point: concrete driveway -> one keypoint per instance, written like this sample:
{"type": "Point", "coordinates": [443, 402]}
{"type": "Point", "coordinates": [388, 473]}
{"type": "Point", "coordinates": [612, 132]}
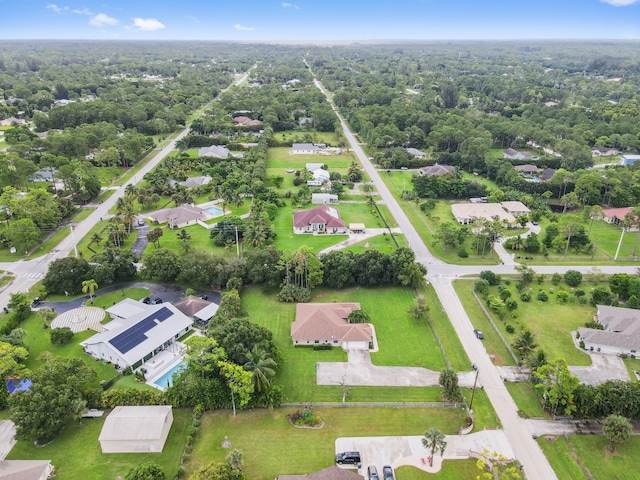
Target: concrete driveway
{"type": "Point", "coordinates": [7, 437]}
{"type": "Point", "coordinates": [399, 451]}
{"type": "Point", "coordinates": [359, 371]}
{"type": "Point", "coordinates": [603, 367]}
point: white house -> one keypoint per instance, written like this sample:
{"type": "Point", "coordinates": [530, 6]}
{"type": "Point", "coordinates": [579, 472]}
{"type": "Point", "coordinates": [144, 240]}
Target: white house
{"type": "Point", "coordinates": [132, 340]}
{"type": "Point", "coordinates": [321, 175]}
{"type": "Point", "coordinates": [136, 429]}
{"type": "Point", "coordinates": [320, 198]}
{"type": "Point", "coordinates": [621, 334]}
{"type": "Point", "coordinates": [303, 148]}
{"type": "Point", "coordinates": [214, 151]}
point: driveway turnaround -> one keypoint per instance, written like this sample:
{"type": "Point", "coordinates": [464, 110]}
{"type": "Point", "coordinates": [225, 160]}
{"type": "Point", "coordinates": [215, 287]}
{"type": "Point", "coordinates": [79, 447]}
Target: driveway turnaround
{"type": "Point", "coordinates": [399, 451]}
{"type": "Point", "coordinates": [359, 371]}
{"type": "Point", "coordinates": [603, 367]}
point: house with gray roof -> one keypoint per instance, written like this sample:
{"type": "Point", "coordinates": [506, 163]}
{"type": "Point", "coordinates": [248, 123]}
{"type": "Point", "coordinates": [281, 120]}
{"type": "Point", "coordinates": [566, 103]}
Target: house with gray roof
{"type": "Point", "coordinates": [303, 148]}
{"type": "Point", "coordinates": [136, 429]}
{"type": "Point", "coordinates": [181, 216]}
{"type": "Point", "coordinates": [436, 170]}
{"type": "Point", "coordinates": [214, 151]}
{"type": "Point", "coordinates": [414, 152]}
{"type": "Point", "coordinates": [621, 334]}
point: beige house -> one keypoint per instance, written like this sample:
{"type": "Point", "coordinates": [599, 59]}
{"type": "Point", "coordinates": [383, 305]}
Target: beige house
{"type": "Point", "coordinates": [328, 324]}
{"type": "Point", "coordinates": [136, 429]}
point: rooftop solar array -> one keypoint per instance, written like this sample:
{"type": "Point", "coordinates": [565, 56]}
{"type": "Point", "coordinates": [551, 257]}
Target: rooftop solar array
{"type": "Point", "coordinates": [134, 336]}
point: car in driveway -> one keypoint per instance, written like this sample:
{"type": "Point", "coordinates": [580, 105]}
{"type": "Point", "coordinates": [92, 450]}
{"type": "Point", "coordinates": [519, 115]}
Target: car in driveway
{"type": "Point", "coordinates": [387, 472]}
{"type": "Point", "coordinates": [348, 458]}
{"type": "Point", "coordinates": [372, 473]}
{"type": "Point", "coordinates": [478, 333]}
{"type": "Point", "coordinates": [146, 300]}
{"type": "Point", "coordinates": [156, 301]}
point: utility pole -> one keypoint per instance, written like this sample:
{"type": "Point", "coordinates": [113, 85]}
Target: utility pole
{"type": "Point", "coordinates": [473, 391]}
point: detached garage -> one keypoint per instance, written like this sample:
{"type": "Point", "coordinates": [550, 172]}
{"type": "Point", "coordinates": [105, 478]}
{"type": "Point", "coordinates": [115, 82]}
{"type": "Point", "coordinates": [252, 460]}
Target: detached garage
{"type": "Point", "coordinates": [136, 429]}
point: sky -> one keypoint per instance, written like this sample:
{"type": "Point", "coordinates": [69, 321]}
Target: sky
{"type": "Point", "coordinates": [319, 20]}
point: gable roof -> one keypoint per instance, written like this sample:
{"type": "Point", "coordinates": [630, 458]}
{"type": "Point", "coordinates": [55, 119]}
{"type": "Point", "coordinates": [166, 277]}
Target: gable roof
{"type": "Point", "coordinates": [324, 321]}
{"type": "Point", "coordinates": [622, 328]}
{"type": "Point", "coordinates": [126, 308]}
{"type": "Point", "coordinates": [214, 151]}
{"type": "Point", "coordinates": [25, 469]}
{"type": "Point", "coordinates": [436, 170]}
{"type": "Point", "coordinates": [515, 206]}
{"type": "Point", "coordinates": [303, 146]}
{"type": "Point", "coordinates": [617, 212]}
{"type": "Point", "coordinates": [510, 152]}
{"type": "Point", "coordinates": [322, 214]}
{"type": "Point", "coordinates": [135, 423]}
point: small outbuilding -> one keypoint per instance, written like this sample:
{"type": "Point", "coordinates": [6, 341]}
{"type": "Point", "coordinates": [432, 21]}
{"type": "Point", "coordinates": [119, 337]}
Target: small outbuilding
{"type": "Point", "coordinates": [136, 429]}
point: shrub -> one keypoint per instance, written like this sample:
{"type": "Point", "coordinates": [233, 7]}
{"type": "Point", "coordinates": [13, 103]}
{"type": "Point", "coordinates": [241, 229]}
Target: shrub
{"type": "Point", "coordinates": [525, 296]}
{"type": "Point", "coordinates": [542, 296]}
{"type": "Point", "coordinates": [60, 336]}
{"type": "Point", "coordinates": [520, 286]}
{"type": "Point", "coordinates": [556, 279]}
{"type": "Point", "coordinates": [490, 277]}
{"type": "Point", "coordinates": [504, 294]}
{"type": "Point", "coordinates": [462, 253]}
{"type": "Point", "coordinates": [573, 278]}
{"type": "Point", "coordinates": [562, 296]}
{"type": "Point", "coordinates": [481, 286]}
{"type": "Point", "coordinates": [582, 344]}
{"type": "Point", "coordinates": [595, 325]}
{"type": "Point", "coordinates": [510, 329]}
{"type": "Point", "coordinates": [579, 292]}
{"type": "Point", "coordinates": [294, 294]}
{"type": "Point", "coordinates": [511, 304]}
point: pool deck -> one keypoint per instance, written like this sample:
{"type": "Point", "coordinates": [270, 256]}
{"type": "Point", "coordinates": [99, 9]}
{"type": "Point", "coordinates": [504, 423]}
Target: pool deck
{"type": "Point", "coordinates": [162, 363]}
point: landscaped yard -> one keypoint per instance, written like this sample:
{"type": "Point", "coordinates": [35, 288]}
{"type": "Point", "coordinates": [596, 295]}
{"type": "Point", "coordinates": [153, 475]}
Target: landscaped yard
{"type": "Point", "coordinates": [292, 450]}
{"type": "Point", "coordinates": [76, 452]}
{"type": "Point", "coordinates": [451, 470]}
{"type": "Point", "coordinates": [552, 322]}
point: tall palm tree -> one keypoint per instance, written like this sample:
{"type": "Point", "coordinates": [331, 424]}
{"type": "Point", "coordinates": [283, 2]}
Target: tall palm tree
{"type": "Point", "coordinates": [260, 363]}
{"type": "Point", "coordinates": [89, 286]}
{"type": "Point", "coordinates": [525, 343]}
{"type": "Point", "coordinates": [433, 441]}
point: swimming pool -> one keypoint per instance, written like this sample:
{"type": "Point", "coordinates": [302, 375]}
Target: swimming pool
{"type": "Point", "coordinates": [165, 380]}
{"type": "Point", "coordinates": [215, 211]}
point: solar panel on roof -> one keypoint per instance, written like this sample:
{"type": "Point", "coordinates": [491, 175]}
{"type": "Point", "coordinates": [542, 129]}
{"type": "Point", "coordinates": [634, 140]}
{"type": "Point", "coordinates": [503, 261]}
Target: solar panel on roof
{"type": "Point", "coordinates": [135, 335]}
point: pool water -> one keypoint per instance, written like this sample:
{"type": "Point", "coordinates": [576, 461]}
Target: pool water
{"type": "Point", "coordinates": [214, 211]}
{"type": "Point", "coordinates": [165, 380]}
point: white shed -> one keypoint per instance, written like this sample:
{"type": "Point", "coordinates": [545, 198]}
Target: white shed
{"type": "Point", "coordinates": [136, 429]}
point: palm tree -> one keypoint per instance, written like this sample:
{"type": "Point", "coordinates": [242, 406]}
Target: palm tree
{"type": "Point", "coordinates": [96, 238]}
{"type": "Point", "coordinates": [89, 286]}
{"type": "Point", "coordinates": [47, 315]}
{"type": "Point", "coordinates": [234, 459]}
{"type": "Point", "coordinates": [128, 216]}
{"type": "Point", "coordinates": [260, 363]}
{"type": "Point", "coordinates": [433, 441]}
{"type": "Point", "coordinates": [525, 343]}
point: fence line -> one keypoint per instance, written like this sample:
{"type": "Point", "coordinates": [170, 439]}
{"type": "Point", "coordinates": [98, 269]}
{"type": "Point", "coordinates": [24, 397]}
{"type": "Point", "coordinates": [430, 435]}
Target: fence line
{"type": "Point", "coordinates": [454, 405]}
{"type": "Point", "coordinates": [495, 327]}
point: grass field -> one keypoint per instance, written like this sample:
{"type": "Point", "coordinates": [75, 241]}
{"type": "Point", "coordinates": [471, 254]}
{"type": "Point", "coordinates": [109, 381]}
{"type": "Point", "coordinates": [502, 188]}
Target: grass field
{"type": "Point", "coordinates": [557, 452]}
{"type": "Point", "coordinates": [292, 450]}
{"type": "Point", "coordinates": [524, 395]}
{"type": "Point", "coordinates": [109, 299]}
{"type": "Point", "coordinates": [76, 452]}
{"type": "Point", "coordinates": [623, 464]}
{"type": "Point", "coordinates": [451, 470]}
{"type": "Point", "coordinates": [551, 321]}
{"type": "Point", "coordinates": [382, 243]}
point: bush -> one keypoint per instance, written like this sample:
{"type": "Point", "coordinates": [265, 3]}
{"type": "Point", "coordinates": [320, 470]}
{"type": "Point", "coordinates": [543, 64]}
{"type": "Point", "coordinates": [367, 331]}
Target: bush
{"type": "Point", "coordinates": [490, 277]}
{"type": "Point", "coordinates": [573, 278]}
{"type": "Point", "coordinates": [322, 346]}
{"type": "Point", "coordinates": [511, 304]}
{"type": "Point", "coordinates": [504, 294]}
{"type": "Point", "coordinates": [60, 336]}
{"type": "Point", "coordinates": [562, 296]}
{"type": "Point", "coordinates": [542, 296]}
{"type": "Point", "coordinates": [525, 296]}
{"type": "Point", "coordinates": [481, 286]}
{"type": "Point", "coordinates": [556, 279]}
{"type": "Point", "coordinates": [510, 329]}
{"type": "Point", "coordinates": [579, 293]}
{"type": "Point", "coordinates": [594, 325]}
{"type": "Point", "coordinates": [293, 294]}
{"type": "Point", "coordinates": [462, 253]}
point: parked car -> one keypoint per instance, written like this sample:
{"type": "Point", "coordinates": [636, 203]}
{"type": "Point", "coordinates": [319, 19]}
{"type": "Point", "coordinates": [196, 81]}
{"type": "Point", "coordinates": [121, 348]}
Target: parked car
{"type": "Point", "coordinates": [204, 296]}
{"type": "Point", "coordinates": [372, 473]}
{"type": "Point", "coordinates": [146, 300]}
{"type": "Point", "coordinates": [478, 334]}
{"type": "Point", "coordinates": [352, 458]}
{"type": "Point", "coordinates": [156, 301]}
{"type": "Point", "coordinates": [387, 472]}
{"type": "Point", "coordinates": [141, 222]}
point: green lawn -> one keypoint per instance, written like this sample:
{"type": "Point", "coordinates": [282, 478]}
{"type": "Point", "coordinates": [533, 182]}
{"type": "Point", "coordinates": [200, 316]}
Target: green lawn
{"type": "Point", "coordinates": [524, 395]}
{"type": "Point", "coordinates": [484, 416]}
{"type": "Point", "coordinates": [382, 243]}
{"type": "Point", "coordinates": [551, 321]}
{"type": "Point", "coordinates": [557, 452]}
{"type": "Point", "coordinates": [451, 470]}
{"type": "Point", "coordinates": [76, 452]}
{"type": "Point", "coordinates": [292, 450]}
{"type": "Point", "coordinates": [401, 341]}
{"type": "Point", "coordinates": [109, 299]}
{"type": "Point", "coordinates": [624, 464]}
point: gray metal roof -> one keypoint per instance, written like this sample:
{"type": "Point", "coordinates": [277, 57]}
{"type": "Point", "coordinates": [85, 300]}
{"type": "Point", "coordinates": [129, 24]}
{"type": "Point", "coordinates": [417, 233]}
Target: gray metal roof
{"type": "Point", "coordinates": [135, 423]}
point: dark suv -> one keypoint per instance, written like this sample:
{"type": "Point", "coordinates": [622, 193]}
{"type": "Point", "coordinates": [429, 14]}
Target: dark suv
{"type": "Point", "coordinates": [348, 458]}
{"type": "Point", "coordinates": [387, 472]}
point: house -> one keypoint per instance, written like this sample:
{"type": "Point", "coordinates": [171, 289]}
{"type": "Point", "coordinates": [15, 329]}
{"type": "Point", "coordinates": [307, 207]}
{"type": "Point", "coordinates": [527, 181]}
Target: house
{"type": "Point", "coordinates": [46, 174]}
{"type": "Point", "coordinates": [214, 151]}
{"type": "Point", "coordinates": [322, 219]}
{"type": "Point", "coordinates": [26, 469]}
{"type": "Point", "coordinates": [512, 154]}
{"type": "Point", "coordinates": [357, 228]}
{"type": "Point", "coordinates": [526, 170]}
{"type": "Point", "coordinates": [615, 215]}
{"type": "Point", "coordinates": [179, 217]}
{"type": "Point", "coordinates": [621, 334]}
{"type": "Point", "coordinates": [605, 152]}
{"type": "Point", "coordinates": [516, 208]}
{"type": "Point", "coordinates": [200, 310]}
{"type": "Point", "coordinates": [136, 429]}
{"type": "Point", "coordinates": [7, 122]}
{"type": "Point", "coordinates": [328, 324]}
{"type": "Point", "coordinates": [243, 121]}
{"type": "Point", "coordinates": [321, 175]}
{"type": "Point", "coordinates": [196, 181]}
{"type": "Point", "coordinates": [629, 159]}
{"type": "Point", "coordinates": [547, 174]}
{"type": "Point", "coordinates": [323, 198]}
{"type": "Point", "coordinates": [466, 213]}
{"type": "Point", "coordinates": [330, 473]}
{"type": "Point", "coordinates": [303, 148]}
{"type": "Point", "coordinates": [125, 309]}
{"type": "Point", "coordinates": [436, 171]}
{"type": "Point", "coordinates": [133, 340]}
{"type": "Point", "coordinates": [414, 152]}
{"type": "Point", "coordinates": [312, 167]}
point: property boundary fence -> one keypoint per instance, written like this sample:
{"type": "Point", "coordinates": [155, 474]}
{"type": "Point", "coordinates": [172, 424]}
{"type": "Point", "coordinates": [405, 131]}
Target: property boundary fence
{"type": "Point", "coordinates": [454, 405]}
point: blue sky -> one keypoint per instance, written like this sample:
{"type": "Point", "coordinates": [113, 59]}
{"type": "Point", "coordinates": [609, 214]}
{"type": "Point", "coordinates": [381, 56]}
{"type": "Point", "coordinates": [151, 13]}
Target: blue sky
{"type": "Point", "coordinates": [320, 20]}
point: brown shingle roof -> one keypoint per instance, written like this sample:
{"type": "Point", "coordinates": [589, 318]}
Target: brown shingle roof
{"type": "Point", "coordinates": [191, 305]}
{"type": "Point", "coordinates": [326, 322]}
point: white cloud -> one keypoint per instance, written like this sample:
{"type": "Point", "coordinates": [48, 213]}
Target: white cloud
{"type": "Point", "coordinates": [102, 19]}
{"type": "Point", "coordinates": [84, 11]}
{"type": "Point", "coordinates": [290, 5]}
{"type": "Point", "coordinates": [620, 3]}
{"type": "Point", "coordinates": [56, 8]}
{"type": "Point", "coordinates": [237, 26]}
{"type": "Point", "coordinates": [147, 24]}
